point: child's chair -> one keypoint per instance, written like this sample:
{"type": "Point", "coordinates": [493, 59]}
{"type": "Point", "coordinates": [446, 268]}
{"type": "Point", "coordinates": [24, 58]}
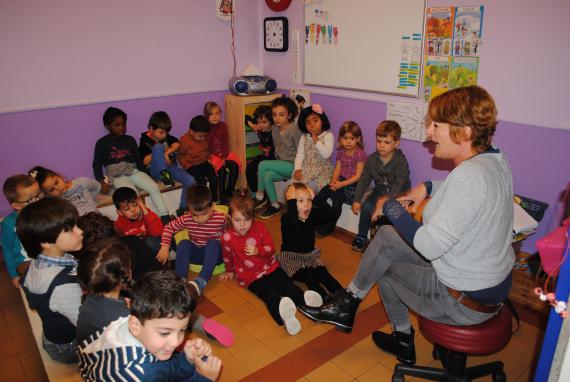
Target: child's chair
{"type": "Point", "coordinates": [183, 235]}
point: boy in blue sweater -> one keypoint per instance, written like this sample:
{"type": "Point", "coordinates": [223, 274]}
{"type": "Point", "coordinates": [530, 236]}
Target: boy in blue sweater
{"type": "Point", "coordinates": [48, 231]}
{"type": "Point", "coordinates": [141, 347]}
{"type": "Point", "coordinates": [20, 190]}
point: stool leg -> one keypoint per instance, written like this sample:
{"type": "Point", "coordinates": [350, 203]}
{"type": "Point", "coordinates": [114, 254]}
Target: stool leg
{"type": "Point", "coordinates": [479, 371]}
{"type": "Point", "coordinates": [456, 363]}
{"type": "Point", "coordinates": [417, 371]}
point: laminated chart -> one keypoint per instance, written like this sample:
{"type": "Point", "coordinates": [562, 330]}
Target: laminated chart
{"type": "Point", "coordinates": [410, 116]}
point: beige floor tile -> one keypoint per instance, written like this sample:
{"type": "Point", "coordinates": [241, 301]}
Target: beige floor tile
{"type": "Point", "coordinates": [227, 300]}
{"type": "Point", "coordinates": [378, 373]}
{"type": "Point", "coordinates": [243, 340]}
{"type": "Point", "coordinates": [224, 318]}
{"type": "Point", "coordinates": [233, 370]}
{"type": "Point", "coordinates": [281, 342]}
{"type": "Point", "coordinates": [256, 356]}
{"type": "Point", "coordinates": [245, 313]}
{"type": "Point", "coordinates": [263, 327]}
{"type": "Point", "coordinates": [327, 373]}
{"type": "Point", "coordinates": [354, 361]}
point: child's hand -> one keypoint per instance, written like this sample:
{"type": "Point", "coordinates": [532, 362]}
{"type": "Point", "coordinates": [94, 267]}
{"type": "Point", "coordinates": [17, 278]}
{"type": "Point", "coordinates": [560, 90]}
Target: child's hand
{"type": "Point", "coordinates": [209, 367]}
{"type": "Point", "coordinates": [105, 187]}
{"type": "Point", "coordinates": [16, 282]}
{"type": "Point", "coordinates": [167, 159]}
{"type": "Point", "coordinates": [162, 255]}
{"type": "Point", "coordinates": [378, 209]}
{"type": "Point", "coordinates": [414, 197]}
{"type": "Point", "coordinates": [290, 193]}
{"type": "Point", "coordinates": [251, 250]}
{"type": "Point", "coordinates": [356, 208]}
{"type": "Point", "coordinates": [297, 175]}
{"type": "Point", "coordinates": [226, 276]}
{"type": "Point", "coordinates": [142, 206]}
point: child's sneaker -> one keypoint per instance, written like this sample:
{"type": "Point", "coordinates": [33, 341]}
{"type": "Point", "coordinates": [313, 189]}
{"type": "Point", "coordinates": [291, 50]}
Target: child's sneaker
{"type": "Point", "coordinates": [166, 178]}
{"type": "Point", "coordinates": [313, 299]}
{"type": "Point", "coordinates": [287, 310]}
{"type": "Point", "coordinates": [270, 212]}
{"type": "Point", "coordinates": [258, 204]}
{"type": "Point", "coordinates": [219, 332]}
{"type": "Point", "coordinates": [359, 243]}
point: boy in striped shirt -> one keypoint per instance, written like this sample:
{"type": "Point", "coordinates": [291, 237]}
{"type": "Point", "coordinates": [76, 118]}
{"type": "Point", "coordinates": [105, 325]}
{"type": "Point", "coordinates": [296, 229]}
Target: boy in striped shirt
{"type": "Point", "coordinates": [205, 226]}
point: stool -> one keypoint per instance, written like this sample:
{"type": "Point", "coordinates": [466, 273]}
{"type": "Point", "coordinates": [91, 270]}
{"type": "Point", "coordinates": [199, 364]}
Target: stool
{"type": "Point", "coordinates": [452, 344]}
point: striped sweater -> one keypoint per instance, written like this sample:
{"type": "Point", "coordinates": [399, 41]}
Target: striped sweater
{"type": "Point", "coordinates": [199, 234]}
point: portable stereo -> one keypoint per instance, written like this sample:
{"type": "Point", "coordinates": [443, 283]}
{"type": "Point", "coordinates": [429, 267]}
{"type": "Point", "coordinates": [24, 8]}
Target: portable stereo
{"type": "Point", "coordinates": [250, 85]}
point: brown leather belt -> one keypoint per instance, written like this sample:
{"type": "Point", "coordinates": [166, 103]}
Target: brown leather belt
{"type": "Point", "coordinates": [467, 301]}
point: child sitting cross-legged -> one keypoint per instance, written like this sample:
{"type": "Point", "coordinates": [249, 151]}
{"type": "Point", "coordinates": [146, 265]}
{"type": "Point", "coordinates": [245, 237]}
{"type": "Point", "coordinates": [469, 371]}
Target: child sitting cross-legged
{"type": "Point", "coordinates": [204, 226]}
{"type": "Point", "coordinates": [135, 219]}
{"type": "Point", "coordinates": [299, 257]}
{"type": "Point", "coordinates": [48, 231]}
{"type": "Point", "coordinates": [20, 190]}
{"type": "Point", "coordinates": [249, 256]}
{"type": "Point", "coordinates": [141, 346]}
{"type": "Point", "coordinates": [81, 192]}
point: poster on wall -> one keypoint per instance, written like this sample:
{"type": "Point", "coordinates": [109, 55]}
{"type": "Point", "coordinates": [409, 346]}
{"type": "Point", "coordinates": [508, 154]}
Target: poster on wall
{"type": "Point", "coordinates": [436, 76]}
{"type": "Point", "coordinates": [320, 30]}
{"type": "Point", "coordinates": [439, 31]}
{"type": "Point", "coordinates": [467, 31]}
{"type": "Point", "coordinates": [225, 9]}
{"type": "Point", "coordinates": [463, 72]}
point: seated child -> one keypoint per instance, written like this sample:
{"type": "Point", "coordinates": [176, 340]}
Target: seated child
{"type": "Point", "coordinates": [299, 257]}
{"type": "Point", "coordinates": [205, 226]}
{"type": "Point", "coordinates": [157, 149]}
{"type": "Point", "coordinates": [313, 164]}
{"type": "Point", "coordinates": [262, 124]}
{"type": "Point", "coordinates": [193, 154]}
{"type": "Point", "coordinates": [135, 219]}
{"type": "Point", "coordinates": [141, 346]}
{"type": "Point", "coordinates": [389, 169]}
{"type": "Point", "coordinates": [81, 192]}
{"type": "Point", "coordinates": [350, 158]}
{"type": "Point", "coordinates": [249, 255]}
{"type": "Point", "coordinates": [224, 162]}
{"type": "Point", "coordinates": [48, 231]}
{"type": "Point", "coordinates": [104, 270]}
{"type": "Point", "coordinates": [20, 190]}
{"type": "Point", "coordinates": [286, 137]}
{"type": "Point", "coordinates": [119, 154]}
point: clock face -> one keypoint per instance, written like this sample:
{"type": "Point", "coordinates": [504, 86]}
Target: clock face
{"type": "Point", "coordinates": [276, 34]}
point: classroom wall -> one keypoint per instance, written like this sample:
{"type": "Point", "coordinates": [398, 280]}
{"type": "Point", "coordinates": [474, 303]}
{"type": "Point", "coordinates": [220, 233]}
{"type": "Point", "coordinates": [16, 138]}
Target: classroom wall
{"type": "Point", "coordinates": [523, 46]}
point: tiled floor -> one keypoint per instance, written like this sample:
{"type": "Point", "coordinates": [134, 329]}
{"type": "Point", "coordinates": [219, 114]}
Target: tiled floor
{"type": "Point", "coordinates": [265, 352]}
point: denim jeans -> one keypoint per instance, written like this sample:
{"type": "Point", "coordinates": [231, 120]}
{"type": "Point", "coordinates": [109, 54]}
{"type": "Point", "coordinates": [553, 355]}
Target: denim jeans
{"type": "Point", "coordinates": [208, 256]}
{"type": "Point", "coordinates": [64, 353]}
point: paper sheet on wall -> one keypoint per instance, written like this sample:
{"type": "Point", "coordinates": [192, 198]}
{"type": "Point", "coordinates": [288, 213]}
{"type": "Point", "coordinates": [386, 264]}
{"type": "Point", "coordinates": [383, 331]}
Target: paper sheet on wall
{"type": "Point", "coordinates": [410, 116]}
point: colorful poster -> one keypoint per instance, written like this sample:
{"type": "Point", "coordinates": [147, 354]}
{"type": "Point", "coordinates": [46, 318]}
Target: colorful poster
{"type": "Point", "coordinates": [439, 31]}
{"type": "Point", "coordinates": [468, 31]}
{"type": "Point", "coordinates": [436, 76]}
{"type": "Point", "coordinates": [463, 71]}
{"type": "Point", "coordinates": [409, 72]}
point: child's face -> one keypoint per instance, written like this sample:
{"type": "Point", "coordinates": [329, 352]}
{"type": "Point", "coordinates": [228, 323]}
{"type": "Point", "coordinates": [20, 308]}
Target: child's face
{"type": "Point", "coordinates": [117, 127]}
{"type": "Point", "coordinates": [54, 185]}
{"type": "Point", "coordinates": [158, 134]}
{"type": "Point", "coordinates": [130, 210]}
{"type": "Point", "coordinates": [349, 142]}
{"type": "Point", "coordinates": [386, 145]}
{"type": "Point", "coordinates": [198, 136]}
{"type": "Point", "coordinates": [160, 336]}
{"type": "Point", "coordinates": [280, 115]}
{"type": "Point", "coordinates": [264, 124]}
{"type": "Point", "coordinates": [27, 195]}
{"type": "Point", "coordinates": [304, 203]}
{"type": "Point", "coordinates": [314, 124]}
{"type": "Point", "coordinates": [203, 216]}
{"type": "Point", "coordinates": [70, 241]}
{"type": "Point", "coordinates": [240, 223]}
{"type": "Point", "coordinates": [215, 116]}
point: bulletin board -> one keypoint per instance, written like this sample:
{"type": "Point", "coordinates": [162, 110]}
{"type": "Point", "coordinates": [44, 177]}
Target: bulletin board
{"type": "Point", "coordinates": [367, 45]}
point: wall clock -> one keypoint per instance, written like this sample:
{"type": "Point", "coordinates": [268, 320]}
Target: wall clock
{"type": "Point", "coordinates": [276, 34]}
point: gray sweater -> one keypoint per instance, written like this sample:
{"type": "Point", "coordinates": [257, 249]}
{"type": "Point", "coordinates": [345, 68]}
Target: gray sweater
{"type": "Point", "coordinates": [468, 222]}
{"type": "Point", "coordinates": [286, 143]}
{"type": "Point", "coordinates": [392, 178]}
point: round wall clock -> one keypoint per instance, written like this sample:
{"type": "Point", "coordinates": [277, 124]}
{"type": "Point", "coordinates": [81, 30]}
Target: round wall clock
{"type": "Point", "coordinates": [276, 34]}
{"type": "Point", "coordinates": [278, 5]}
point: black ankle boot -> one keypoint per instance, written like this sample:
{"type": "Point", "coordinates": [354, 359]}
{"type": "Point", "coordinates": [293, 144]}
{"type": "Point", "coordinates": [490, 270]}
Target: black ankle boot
{"type": "Point", "coordinates": [340, 311]}
{"type": "Point", "coordinates": [397, 343]}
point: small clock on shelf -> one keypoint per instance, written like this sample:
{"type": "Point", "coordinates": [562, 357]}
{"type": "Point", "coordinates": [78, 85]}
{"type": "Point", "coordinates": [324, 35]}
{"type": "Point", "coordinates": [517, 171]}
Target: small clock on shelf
{"type": "Point", "coordinates": [276, 34]}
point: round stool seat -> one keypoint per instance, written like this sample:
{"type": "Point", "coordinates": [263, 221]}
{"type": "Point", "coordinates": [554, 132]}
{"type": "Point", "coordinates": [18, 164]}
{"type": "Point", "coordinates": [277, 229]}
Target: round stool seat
{"type": "Point", "coordinates": [481, 339]}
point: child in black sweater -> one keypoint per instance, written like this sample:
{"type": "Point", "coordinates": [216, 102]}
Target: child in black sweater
{"type": "Point", "coordinates": [299, 257]}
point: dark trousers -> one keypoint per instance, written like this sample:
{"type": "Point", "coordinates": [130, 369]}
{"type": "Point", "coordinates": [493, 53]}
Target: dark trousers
{"type": "Point", "coordinates": [338, 198]}
{"type": "Point", "coordinates": [272, 287]}
{"type": "Point", "coordinates": [317, 277]}
{"type": "Point", "coordinates": [227, 178]}
{"type": "Point", "coordinates": [204, 173]}
{"type": "Point", "coordinates": [366, 211]}
{"type": "Point", "coordinates": [251, 172]}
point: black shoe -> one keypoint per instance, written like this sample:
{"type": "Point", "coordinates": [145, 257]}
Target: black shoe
{"type": "Point", "coordinates": [359, 243]}
{"type": "Point", "coordinates": [257, 204]}
{"type": "Point", "coordinates": [165, 219]}
{"type": "Point", "coordinates": [181, 211]}
{"type": "Point", "coordinates": [166, 178]}
{"type": "Point", "coordinates": [270, 212]}
{"type": "Point", "coordinates": [397, 343]}
{"type": "Point", "coordinates": [340, 312]}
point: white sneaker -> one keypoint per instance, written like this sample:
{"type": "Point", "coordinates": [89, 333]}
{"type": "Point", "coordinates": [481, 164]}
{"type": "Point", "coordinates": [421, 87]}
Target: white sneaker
{"type": "Point", "coordinates": [287, 311]}
{"type": "Point", "coordinates": [313, 299]}
{"type": "Point", "coordinates": [194, 285]}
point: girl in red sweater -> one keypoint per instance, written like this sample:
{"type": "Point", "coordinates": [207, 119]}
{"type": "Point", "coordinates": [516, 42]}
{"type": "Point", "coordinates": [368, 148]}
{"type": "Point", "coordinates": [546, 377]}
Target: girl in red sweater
{"type": "Point", "coordinates": [249, 255]}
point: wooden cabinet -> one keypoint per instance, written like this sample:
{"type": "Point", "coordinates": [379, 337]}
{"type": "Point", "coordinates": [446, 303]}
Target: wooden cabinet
{"type": "Point", "coordinates": [243, 141]}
